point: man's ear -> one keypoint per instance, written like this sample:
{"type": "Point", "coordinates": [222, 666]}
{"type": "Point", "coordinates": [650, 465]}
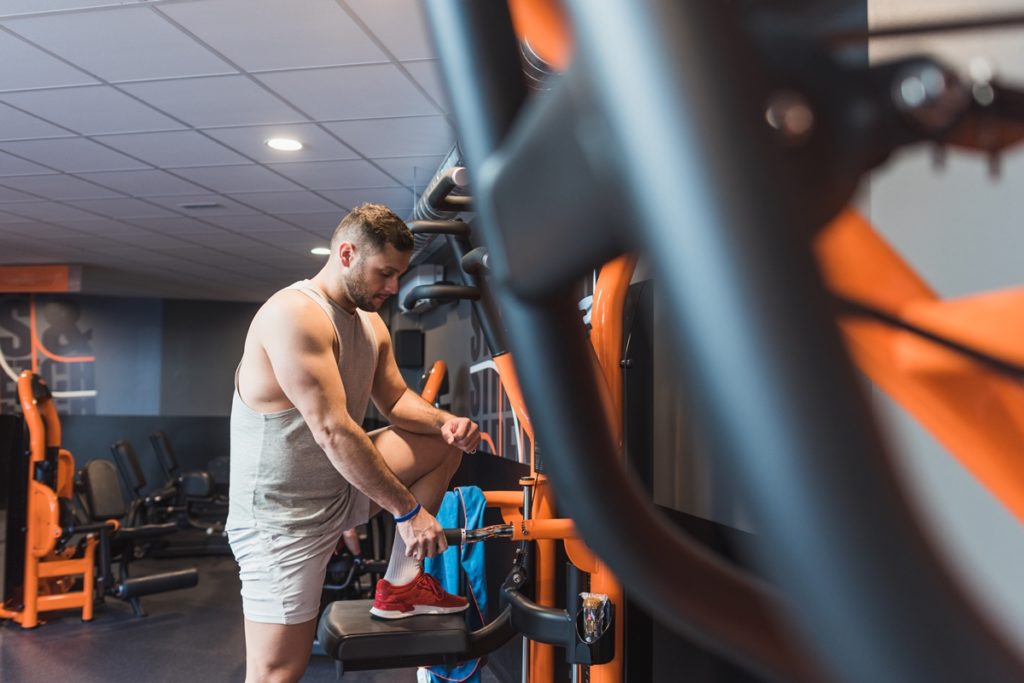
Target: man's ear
{"type": "Point", "coordinates": [347, 253]}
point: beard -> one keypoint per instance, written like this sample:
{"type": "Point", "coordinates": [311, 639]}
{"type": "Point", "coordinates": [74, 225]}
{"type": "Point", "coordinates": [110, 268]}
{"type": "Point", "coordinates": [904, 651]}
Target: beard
{"type": "Point", "coordinates": [360, 294]}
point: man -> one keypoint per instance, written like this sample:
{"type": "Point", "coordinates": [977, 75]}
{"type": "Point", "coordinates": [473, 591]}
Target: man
{"type": "Point", "coordinates": [303, 470]}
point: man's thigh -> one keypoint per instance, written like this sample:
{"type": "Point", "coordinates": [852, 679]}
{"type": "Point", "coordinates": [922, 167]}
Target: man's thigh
{"type": "Point", "coordinates": [410, 456]}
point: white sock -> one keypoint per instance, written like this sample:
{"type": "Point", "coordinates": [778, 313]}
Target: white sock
{"type": "Point", "coordinates": [401, 569]}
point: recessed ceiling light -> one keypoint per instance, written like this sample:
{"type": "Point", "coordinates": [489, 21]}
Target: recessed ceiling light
{"type": "Point", "coordinates": [320, 251]}
{"type": "Point", "coordinates": [284, 144]}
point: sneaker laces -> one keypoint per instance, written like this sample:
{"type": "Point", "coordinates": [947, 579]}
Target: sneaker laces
{"type": "Point", "coordinates": [432, 585]}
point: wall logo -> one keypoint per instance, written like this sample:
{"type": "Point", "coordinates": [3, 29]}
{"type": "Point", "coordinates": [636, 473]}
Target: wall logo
{"type": "Point", "coordinates": [46, 335]}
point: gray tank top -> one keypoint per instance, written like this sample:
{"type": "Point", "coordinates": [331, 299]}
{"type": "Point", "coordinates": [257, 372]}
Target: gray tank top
{"type": "Point", "coordinates": [281, 480]}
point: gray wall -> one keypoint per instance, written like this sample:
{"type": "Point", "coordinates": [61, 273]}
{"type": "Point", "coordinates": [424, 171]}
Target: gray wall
{"type": "Point", "coordinates": [202, 343]}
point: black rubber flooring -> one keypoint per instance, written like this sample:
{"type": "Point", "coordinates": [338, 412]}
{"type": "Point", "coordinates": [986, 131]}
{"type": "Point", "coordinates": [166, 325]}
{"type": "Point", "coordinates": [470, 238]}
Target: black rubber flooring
{"type": "Point", "coordinates": [193, 635]}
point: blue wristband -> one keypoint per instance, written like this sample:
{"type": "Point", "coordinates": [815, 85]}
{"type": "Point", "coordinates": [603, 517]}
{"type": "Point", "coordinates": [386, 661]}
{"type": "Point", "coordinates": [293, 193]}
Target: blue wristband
{"type": "Point", "coordinates": [409, 515]}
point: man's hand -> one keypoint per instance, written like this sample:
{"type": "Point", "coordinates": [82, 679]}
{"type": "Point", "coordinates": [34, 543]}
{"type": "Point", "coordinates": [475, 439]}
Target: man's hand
{"type": "Point", "coordinates": [462, 433]}
{"type": "Point", "coordinates": [423, 536]}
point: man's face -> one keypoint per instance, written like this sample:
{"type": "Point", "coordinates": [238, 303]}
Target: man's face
{"type": "Point", "coordinates": [374, 276]}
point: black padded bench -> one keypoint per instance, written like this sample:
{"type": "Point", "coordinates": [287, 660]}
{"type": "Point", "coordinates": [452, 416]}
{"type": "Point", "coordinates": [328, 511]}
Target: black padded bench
{"type": "Point", "coordinates": [359, 642]}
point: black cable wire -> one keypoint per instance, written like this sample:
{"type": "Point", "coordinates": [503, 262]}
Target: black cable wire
{"type": "Point", "coordinates": [851, 307]}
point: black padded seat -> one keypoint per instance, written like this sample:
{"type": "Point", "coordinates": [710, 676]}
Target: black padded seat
{"type": "Point", "coordinates": [359, 642]}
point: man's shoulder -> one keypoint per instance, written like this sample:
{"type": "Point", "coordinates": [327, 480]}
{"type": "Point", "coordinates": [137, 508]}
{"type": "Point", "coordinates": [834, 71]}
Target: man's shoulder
{"type": "Point", "coordinates": [291, 309]}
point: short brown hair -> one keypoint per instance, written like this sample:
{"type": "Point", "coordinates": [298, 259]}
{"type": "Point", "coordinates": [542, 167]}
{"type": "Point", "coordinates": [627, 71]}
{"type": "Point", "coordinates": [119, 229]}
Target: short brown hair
{"type": "Point", "coordinates": [375, 225]}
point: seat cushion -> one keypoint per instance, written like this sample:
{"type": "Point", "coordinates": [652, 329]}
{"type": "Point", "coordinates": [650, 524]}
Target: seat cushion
{"type": "Point", "coordinates": [349, 634]}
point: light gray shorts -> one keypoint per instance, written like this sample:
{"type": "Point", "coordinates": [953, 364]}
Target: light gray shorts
{"type": "Point", "coordinates": [282, 576]}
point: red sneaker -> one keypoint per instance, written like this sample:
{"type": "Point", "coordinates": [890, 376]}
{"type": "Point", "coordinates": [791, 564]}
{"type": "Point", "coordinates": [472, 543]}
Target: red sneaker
{"type": "Point", "coordinates": [423, 595]}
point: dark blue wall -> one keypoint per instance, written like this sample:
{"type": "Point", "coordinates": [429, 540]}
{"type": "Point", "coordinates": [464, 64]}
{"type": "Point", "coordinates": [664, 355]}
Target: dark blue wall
{"type": "Point", "coordinates": [149, 356]}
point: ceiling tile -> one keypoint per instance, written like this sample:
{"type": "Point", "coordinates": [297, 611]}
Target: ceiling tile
{"type": "Point", "coordinates": [235, 241]}
{"type": "Point", "coordinates": [405, 39]}
{"type": "Point", "coordinates": [71, 154]}
{"type": "Point", "coordinates": [249, 178]}
{"type": "Point", "coordinates": [11, 165]}
{"type": "Point", "coordinates": [332, 175]}
{"type": "Point", "coordinates": [127, 252]}
{"type": "Point", "coordinates": [320, 223]}
{"type": "Point", "coordinates": [91, 110]}
{"type": "Point", "coordinates": [16, 125]}
{"type": "Point", "coordinates": [398, 137]}
{"type": "Point", "coordinates": [13, 8]}
{"type": "Point", "coordinates": [269, 34]}
{"type": "Point", "coordinates": [318, 145]}
{"type": "Point", "coordinates": [143, 183]}
{"type": "Point", "coordinates": [57, 186]}
{"type": "Point", "coordinates": [215, 101]}
{"type": "Point", "coordinates": [37, 230]}
{"type": "Point", "coordinates": [428, 75]}
{"type": "Point", "coordinates": [157, 48]}
{"type": "Point", "coordinates": [36, 69]}
{"type": "Point", "coordinates": [123, 207]}
{"type": "Point", "coordinates": [250, 224]}
{"type": "Point", "coordinates": [181, 225]}
{"type": "Point", "coordinates": [10, 218]}
{"type": "Point", "coordinates": [9, 195]}
{"type": "Point", "coordinates": [414, 172]}
{"type": "Point", "coordinates": [148, 240]}
{"type": "Point", "coordinates": [225, 206]}
{"type": "Point", "coordinates": [286, 202]}
{"type": "Point", "coordinates": [47, 211]}
{"type": "Point", "coordinates": [100, 226]}
{"type": "Point", "coordinates": [393, 197]}
{"type": "Point", "coordinates": [258, 251]}
{"type": "Point", "coordinates": [350, 92]}
{"type": "Point", "coordinates": [179, 148]}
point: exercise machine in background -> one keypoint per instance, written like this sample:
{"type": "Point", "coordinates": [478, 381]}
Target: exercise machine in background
{"type": "Point", "coordinates": [52, 550]}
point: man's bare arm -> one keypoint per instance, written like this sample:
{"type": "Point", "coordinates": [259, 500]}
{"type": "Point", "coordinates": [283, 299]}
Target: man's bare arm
{"type": "Point", "coordinates": [406, 409]}
{"type": "Point", "coordinates": [299, 345]}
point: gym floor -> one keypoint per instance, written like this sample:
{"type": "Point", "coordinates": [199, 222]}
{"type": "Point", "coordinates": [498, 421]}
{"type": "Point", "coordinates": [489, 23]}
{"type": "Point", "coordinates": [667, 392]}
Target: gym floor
{"type": "Point", "coordinates": [188, 635]}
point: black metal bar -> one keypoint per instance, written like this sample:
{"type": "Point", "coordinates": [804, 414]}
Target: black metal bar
{"type": "Point", "coordinates": [440, 292]}
{"type": "Point", "coordinates": [438, 228]}
{"type": "Point", "coordinates": [474, 261]}
{"type": "Point", "coordinates": [438, 195]}
{"type": "Point", "coordinates": [156, 583]}
{"type": "Point", "coordinates": [455, 203]}
{"type": "Point", "coordinates": [551, 186]}
{"type": "Point", "coordinates": [479, 58]}
{"type": "Point", "coordinates": [484, 306]}
{"type": "Point", "coordinates": [539, 624]}
{"type": "Point", "coordinates": [727, 611]}
{"type": "Point", "coordinates": [492, 636]}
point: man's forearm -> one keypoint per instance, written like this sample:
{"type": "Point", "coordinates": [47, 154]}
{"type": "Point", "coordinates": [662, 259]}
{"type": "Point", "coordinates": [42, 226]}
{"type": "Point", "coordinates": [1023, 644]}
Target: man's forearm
{"type": "Point", "coordinates": [414, 414]}
{"type": "Point", "coordinates": [355, 457]}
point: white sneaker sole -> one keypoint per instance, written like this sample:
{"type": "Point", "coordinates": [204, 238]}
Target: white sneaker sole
{"type": "Point", "coordinates": [417, 610]}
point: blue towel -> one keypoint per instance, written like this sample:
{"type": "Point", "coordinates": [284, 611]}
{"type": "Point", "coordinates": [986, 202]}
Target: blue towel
{"type": "Point", "coordinates": [462, 508]}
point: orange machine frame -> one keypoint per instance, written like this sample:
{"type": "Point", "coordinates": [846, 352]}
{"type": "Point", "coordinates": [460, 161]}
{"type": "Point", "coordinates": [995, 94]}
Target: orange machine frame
{"type": "Point", "coordinates": [972, 409]}
{"type": "Point", "coordinates": [47, 571]}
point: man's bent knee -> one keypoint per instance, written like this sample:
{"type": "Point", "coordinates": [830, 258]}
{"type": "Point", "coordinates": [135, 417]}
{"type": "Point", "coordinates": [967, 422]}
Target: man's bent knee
{"type": "Point", "coordinates": [276, 653]}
